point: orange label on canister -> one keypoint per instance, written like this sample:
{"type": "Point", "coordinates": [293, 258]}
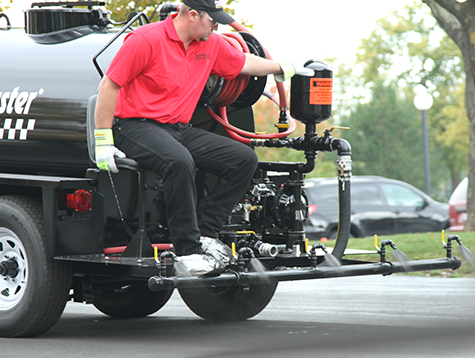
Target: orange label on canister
{"type": "Point", "coordinates": [321, 91]}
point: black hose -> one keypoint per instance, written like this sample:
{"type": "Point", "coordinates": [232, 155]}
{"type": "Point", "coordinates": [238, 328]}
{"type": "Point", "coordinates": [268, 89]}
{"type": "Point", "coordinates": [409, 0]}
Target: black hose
{"type": "Point", "coordinates": [344, 196]}
{"type": "Point", "coordinates": [344, 218]}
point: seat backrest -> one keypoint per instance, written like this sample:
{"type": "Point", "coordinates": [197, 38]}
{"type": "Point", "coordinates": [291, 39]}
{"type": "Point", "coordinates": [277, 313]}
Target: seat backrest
{"type": "Point", "coordinates": [90, 126]}
{"type": "Point", "coordinates": [122, 163]}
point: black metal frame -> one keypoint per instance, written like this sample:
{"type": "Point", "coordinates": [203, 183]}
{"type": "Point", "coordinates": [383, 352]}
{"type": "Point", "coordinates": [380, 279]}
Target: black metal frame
{"type": "Point", "coordinates": [140, 16]}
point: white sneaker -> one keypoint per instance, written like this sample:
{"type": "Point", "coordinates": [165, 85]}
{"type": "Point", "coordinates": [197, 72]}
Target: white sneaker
{"type": "Point", "coordinates": [217, 249]}
{"type": "Point", "coordinates": [197, 265]}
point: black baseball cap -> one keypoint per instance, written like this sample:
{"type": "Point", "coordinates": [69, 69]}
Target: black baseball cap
{"type": "Point", "coordinates": [214, 8]}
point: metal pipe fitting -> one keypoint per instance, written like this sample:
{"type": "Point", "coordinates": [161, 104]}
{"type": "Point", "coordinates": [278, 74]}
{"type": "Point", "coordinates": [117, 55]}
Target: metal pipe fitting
{"type": "Point", "coordinates": [268, 250]}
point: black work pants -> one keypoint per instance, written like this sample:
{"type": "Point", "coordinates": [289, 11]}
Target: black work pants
{"type": "Point", "coordinates": [175, 151]}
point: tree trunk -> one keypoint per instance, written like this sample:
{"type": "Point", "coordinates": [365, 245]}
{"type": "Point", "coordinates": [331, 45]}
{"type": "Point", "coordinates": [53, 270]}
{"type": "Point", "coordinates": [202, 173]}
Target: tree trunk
{"type": "Point", "coordinates": [458, 20]}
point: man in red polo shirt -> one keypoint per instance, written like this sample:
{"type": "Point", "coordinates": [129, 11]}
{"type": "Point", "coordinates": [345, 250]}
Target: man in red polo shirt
{"type": "Point", "coordinates": [152, 88]}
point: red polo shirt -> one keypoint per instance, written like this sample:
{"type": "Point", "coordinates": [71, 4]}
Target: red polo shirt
{"type": "Point", "coordinates": [161, 80]}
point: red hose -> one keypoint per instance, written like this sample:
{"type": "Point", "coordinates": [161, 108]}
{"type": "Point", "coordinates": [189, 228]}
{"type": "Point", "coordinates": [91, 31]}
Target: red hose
{"type": "Point", "coordinates": [280, 86]}
{"type": "Point", "coordinates": [232, 89]}
{"type": "Point", "coordinates": [223, 120]}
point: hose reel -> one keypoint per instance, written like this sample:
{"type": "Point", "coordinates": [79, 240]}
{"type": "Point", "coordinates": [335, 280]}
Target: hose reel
{"type": "Point", "coordinates": [242, 91]}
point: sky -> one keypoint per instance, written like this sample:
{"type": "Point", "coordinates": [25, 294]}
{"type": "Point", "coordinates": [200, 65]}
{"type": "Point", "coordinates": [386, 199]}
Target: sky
{"type": "Point", "coordinates": [299, 30]}
{"type": "Point", "coordinates": [308, 29]}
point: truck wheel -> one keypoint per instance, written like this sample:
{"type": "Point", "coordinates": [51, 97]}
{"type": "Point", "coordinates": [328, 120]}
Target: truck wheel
{"type": "Point", "coordinates": [132, 301]}
{"type": "Point", "coordinates": [229, 303]}
{"type": "Point", "coordinates": [33, 287]}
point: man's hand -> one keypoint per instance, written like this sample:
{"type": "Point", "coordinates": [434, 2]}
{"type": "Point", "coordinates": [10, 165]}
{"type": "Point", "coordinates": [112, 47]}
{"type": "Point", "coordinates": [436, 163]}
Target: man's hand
{"type": "Point", "coordinates": [105, 150]}
{"type": "Point", "coordinates": [289, 69]}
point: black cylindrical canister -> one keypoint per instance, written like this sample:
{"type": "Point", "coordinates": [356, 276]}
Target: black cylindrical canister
{"type": "Point", "coordinates": [311, 97]}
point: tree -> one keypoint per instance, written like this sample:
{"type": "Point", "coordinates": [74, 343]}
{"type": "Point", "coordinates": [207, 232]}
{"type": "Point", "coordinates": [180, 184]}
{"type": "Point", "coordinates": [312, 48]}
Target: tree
{"type": "Point", "coordinates": [375, 147]}
{"type": "Point", "coordinates": [122, 8]}
{"type": "Point", "coordinates": [4, 4]}
{"type": "Point", "coordinates": [457, 19]}
{"type": "Point", "coordinates": [408, 49]}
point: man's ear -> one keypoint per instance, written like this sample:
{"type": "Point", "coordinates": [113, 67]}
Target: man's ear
{"type": "Point", "coordinates": [194, 15]}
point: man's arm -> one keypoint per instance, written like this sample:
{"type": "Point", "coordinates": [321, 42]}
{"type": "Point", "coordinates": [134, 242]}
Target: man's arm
{"type": "Point", "coordinates": [106, 102]}
{"type": "Point", "coordinates": [104, 117]}
{"type": "Point", "coordinates": [258, 66]}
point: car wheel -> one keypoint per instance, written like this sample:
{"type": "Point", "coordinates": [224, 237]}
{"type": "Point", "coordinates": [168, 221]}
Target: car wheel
{"type": "Point", "coordinates": [33, 287]}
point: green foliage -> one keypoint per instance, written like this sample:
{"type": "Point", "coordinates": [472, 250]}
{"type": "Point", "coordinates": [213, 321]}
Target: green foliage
{"type": "Point", "coordinates": [4, 4]}
{"type": "Point", "coordinates": [122, 8]}
{"type": "Point", "coordinates": [385, 137]}
{"type": "Point", "coordinates": [408, 49]}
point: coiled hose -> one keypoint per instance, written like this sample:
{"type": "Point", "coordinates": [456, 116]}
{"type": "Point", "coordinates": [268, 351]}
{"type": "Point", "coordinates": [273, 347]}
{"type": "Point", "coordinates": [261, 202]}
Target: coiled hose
{"type": "Point", "coordinates": [233, 88]}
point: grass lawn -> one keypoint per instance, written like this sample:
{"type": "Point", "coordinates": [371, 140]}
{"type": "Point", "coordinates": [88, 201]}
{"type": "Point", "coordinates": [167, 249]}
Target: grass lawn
{"type": "Point", "coordinates": [419, 247]}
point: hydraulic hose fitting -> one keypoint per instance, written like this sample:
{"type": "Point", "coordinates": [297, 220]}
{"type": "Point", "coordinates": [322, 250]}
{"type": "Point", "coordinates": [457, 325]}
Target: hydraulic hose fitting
{"type": "Point", "coordinates": [344, 160]}
{"type": "Point", "coordinates": [259, 248]}
{"type": "Point", "coordinates": [268, 250]}
{"type": "Point", "coordinates": [283, 123]}
{"type": "Point", "coordinates": [269, 143]}
{"type": "Point", "coordinates": [344, 169]}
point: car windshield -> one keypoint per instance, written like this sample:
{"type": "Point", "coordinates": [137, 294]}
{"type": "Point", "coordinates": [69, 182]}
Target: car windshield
{"type": "Point", "coordinates": [460, 191]}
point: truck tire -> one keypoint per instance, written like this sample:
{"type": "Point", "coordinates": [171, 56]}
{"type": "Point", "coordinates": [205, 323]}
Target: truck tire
{"type": "Point", "coordinates": [34, 292]}
{"type": "Point", "coordinates": [228, 303]}
{"type": "Point", "coordinates": [132, 301]}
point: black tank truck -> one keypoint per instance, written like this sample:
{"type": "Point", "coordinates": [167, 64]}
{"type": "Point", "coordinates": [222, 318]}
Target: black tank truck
{"type": "Point", "coordinates": [69, 231]}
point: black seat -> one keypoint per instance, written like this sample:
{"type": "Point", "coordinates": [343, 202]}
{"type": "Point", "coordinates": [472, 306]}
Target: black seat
{"type": "Point", "coordinates": [140, 245]}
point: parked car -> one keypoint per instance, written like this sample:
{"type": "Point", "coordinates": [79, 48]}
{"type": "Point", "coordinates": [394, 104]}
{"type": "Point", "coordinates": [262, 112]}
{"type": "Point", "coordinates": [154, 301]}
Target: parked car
{"type": "Point", "coordinates": [378, 205]}
{"type": "Point", "coordinates": [458, 206]}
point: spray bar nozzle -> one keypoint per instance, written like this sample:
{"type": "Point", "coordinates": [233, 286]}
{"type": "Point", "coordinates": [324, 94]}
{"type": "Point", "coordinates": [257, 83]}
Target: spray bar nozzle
{"type": "Point", "coordinates": [398, 254]}
{"type": "Point", "coordinates": [463, 250]}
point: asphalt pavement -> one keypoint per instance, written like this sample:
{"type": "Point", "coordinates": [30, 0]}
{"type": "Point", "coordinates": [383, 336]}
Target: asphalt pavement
{"type": "Point", "coordinates": [394, 316]}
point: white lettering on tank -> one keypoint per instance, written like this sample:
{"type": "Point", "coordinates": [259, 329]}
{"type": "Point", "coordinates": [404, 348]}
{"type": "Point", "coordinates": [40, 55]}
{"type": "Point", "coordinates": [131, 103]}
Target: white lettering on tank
{"type": "Point", "coordinates": [31, 97]}
{"type": "Point", "coordinates": [3, 101]}
{"type": "Point", "coordinates": [13, 97]}
{"type": "Point", "coordinates": [20, 102]}
{"type": "Point", "coordinates": [17, 101]}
